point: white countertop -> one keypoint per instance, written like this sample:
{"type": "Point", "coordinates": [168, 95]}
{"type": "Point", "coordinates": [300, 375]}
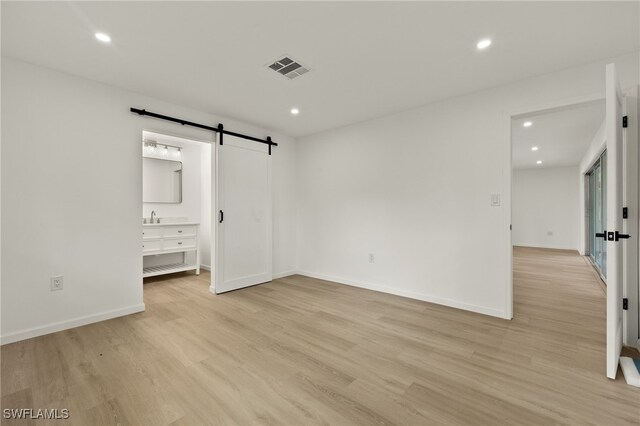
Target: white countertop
{"type": "Point", "coordinates": [151, 225]}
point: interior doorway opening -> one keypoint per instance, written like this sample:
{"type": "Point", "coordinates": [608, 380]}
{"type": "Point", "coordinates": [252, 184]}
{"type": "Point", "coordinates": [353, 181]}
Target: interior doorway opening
{"type": "Point", "coordinates": [550, 151]}
{"type": "Point", "coordinates": [608, 206]}
{"type": "Point", "coordinates": [177, 200]}
{"type": "Point", "coordinates": [558, 196]}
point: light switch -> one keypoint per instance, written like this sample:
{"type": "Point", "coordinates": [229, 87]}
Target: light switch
{"type": "Point", "coordinates": [495, 200]}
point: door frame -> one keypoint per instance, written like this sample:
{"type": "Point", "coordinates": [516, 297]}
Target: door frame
{"type": "Point", "coordinates": [634, 308]}
{"type": "Point", "coordinates": [614, 135]}
{"type": "Point", "coordinates": [508, 116]}
{"type": "Point", "coordinates": [631, 199]}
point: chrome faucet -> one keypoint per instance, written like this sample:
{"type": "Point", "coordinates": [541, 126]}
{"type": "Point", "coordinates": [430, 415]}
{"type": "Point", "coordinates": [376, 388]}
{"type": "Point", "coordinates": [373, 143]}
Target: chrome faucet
{"type": "Point", "coordinates": [153, 213]}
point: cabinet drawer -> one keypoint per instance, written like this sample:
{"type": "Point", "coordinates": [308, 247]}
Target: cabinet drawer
{"type": "Point", "coordinates": [151, 245]}
{"type": "Point", "coordinates": [179, 243]}
{"type": "Point", "coordinates": [151, 233]}
{"type": "Point", "coordinates": [179, 231]}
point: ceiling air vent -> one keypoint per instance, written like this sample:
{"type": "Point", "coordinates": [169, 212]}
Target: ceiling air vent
{"type": "Point", "coordinates": [288, 67]}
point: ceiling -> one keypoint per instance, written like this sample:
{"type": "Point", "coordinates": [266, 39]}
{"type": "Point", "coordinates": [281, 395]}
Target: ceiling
{"type": "Point", "coordinates": [562, 136]}
{"type": "Point", "coordinates": [367, 59]}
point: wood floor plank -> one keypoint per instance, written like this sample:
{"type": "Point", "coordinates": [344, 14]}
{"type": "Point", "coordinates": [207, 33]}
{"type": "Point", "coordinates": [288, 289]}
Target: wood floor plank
{"type": "Point", "coordinates": [306, 351]}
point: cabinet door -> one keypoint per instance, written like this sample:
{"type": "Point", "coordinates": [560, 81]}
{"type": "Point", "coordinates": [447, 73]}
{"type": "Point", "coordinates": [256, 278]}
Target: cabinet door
{"type": "Point", "coordinates": [148, 246]}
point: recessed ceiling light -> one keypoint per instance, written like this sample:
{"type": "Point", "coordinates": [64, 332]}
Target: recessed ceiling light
{"type": "Point", "coordinates": [295, 111]}
{"type": "Point", "coordinates": [534, 148]}
{"type": "Point", "coordinates": [527, 124]}
{"type": "Point", "coordinates": [539, 162]}
{"type": "Point", "coordinates": [483, 44]}
{"type": "Point", "coordinates": [103, 37]}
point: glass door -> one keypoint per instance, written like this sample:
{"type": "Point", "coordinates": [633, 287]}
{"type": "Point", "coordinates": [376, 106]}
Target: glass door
{"type": "Point", "coordinates": [597, 205]}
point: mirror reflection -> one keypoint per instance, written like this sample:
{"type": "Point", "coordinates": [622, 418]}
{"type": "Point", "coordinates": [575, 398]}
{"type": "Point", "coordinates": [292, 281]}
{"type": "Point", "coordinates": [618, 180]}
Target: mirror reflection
{"type": "Point", "coordinates": [161, 181]}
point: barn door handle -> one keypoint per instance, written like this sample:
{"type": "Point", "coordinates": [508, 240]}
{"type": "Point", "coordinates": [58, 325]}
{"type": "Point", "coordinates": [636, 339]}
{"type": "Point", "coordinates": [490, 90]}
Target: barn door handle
{"type": "Point", "coordinates": [220, 216]}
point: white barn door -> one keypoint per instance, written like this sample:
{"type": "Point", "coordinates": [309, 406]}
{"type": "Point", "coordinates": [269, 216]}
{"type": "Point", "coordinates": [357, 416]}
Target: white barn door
{"type": "Point", "coordinates": [615, 244]}
{"type": "Point", "coordinates": [244, 230]}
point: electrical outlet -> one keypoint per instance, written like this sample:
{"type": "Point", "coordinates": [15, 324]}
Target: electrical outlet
{"type": "Point", "coordinates": [372, 259]}
{"type": "Point", "coordinates": [57, 283]}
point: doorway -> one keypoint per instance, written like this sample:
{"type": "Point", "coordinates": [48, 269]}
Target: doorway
{"type": "Point", "coordinates": [559, 188]}
{"type": "Point", "coordinates": [550, 151]}
{"type": "Point", "coordinates": [609, 205]}
{"type": "Point", "coordinates": [176, 206]}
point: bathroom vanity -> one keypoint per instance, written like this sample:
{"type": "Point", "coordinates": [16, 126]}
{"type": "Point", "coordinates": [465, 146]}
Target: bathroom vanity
{"type": "Point", "coordinates": [167, 238]}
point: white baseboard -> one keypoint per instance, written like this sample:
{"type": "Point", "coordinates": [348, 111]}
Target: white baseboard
{"type": "Point", "coordinates": [410, 294]}
{"type": "Point", "coordinates": [275, 276]}
{"type": "Point", "coordinates": [72, 323]}
{"type": "Point", "coordinates": [284, 274]}
{"type": "Point", "coordinates": [545, 246]}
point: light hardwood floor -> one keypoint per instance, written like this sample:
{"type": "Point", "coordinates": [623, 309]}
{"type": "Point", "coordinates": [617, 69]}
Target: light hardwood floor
{"type": "Point", "coordinates": [305, 351]}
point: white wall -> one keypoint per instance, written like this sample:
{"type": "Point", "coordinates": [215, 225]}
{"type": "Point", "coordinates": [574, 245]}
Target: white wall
{"type": "Point", "coordinates": [65, 211]}
{"type": "Point", "coordinates": [414, 189]}
{"type": "Point", "coordinates": [544, 201]}
{"type": "Point", "coordinates": [596, 148]}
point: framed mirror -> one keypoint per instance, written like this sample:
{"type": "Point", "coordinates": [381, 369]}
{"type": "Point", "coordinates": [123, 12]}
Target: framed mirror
{"type": "Point", "coordinates": [161, 181]}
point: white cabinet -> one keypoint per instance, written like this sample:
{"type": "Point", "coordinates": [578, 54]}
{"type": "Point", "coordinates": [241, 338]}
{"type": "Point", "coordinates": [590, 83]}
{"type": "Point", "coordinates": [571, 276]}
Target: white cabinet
{"type": "Point", "coordinates": [160, 238]}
